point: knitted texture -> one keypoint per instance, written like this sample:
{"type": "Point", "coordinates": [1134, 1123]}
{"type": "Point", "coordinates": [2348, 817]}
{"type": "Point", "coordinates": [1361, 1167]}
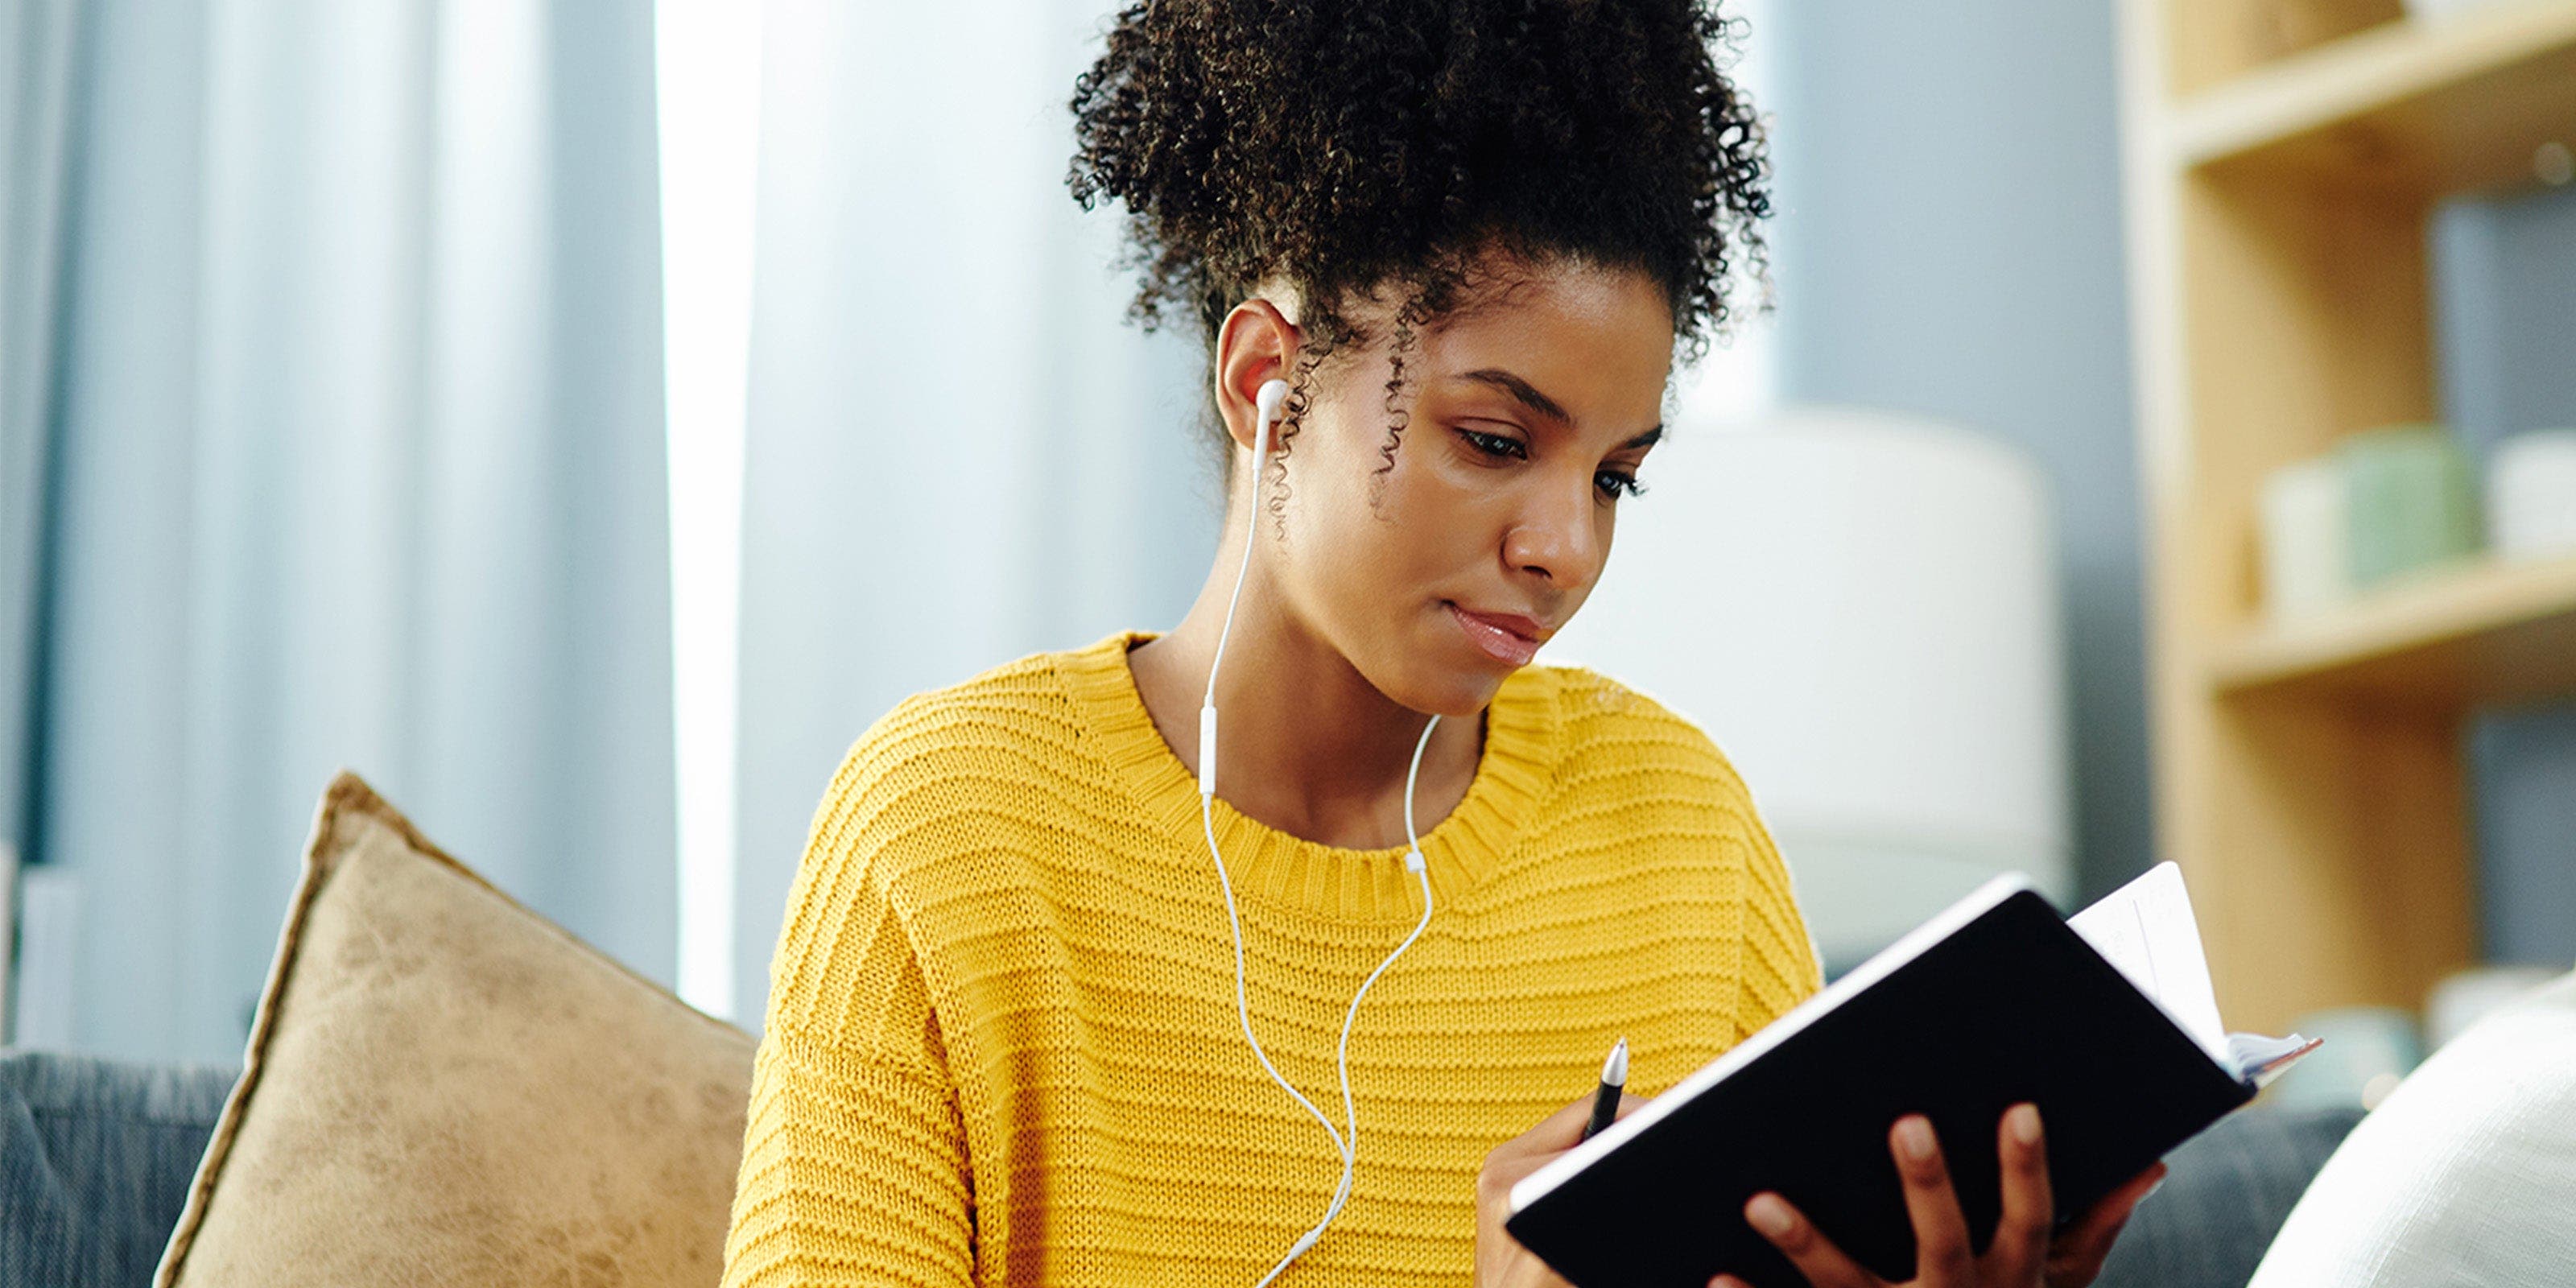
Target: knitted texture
{"type": "Point", "coordinates": [1001, 1043]}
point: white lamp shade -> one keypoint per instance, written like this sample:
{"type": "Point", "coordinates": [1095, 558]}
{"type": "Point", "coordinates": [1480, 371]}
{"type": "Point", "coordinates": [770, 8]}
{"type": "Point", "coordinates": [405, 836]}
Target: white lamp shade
{"type": "Point", "coordinates": [1861, 610]}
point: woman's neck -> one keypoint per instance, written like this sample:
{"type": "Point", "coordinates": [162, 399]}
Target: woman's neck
{"type": "Point", "coordinates": [1308, 745]}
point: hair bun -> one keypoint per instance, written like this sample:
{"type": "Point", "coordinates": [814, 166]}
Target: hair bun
{"type": "Point", "coordinates": [1344, 145]}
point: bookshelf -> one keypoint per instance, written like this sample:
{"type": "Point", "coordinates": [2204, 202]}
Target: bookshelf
{"type": "Point", "coordinates": [2482, 633]}
{"type": "Point", "coordinates": [2281, 158]}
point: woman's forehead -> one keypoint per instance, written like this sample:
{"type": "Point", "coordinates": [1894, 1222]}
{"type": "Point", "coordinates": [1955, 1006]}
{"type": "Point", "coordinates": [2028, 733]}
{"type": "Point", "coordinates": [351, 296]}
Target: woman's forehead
{"type": "Point", "coordinates": [1596, 343]}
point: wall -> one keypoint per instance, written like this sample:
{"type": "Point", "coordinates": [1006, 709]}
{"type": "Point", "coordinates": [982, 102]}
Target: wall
{"type": "Point", "coordinates": [2505, 299]}
{"type": "Point", "coordinates": [1949, 235]}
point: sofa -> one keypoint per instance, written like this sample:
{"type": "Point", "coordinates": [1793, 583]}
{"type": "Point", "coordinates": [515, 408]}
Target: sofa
{"type": "Point", "coordinates": [96, 1157]}
{"type": "Point", "coordinates": [461, 1089]}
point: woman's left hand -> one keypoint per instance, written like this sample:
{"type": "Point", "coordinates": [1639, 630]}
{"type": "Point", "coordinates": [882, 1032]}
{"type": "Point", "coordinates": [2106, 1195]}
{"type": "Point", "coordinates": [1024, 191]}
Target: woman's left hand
{"type": "Point", "coordinates": [2022, 1254]}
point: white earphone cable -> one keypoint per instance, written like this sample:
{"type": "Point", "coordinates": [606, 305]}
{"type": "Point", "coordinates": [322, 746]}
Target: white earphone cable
{"type": "Point", "coordinates": [1413, 863]}
{"type": "Point", "coordinates": [1345, 1140]}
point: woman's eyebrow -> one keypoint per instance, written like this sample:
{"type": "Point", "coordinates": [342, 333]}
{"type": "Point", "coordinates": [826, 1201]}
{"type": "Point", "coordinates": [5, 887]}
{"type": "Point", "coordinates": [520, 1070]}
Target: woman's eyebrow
{"type": "Point", "coordinates": [1529, 396]}
{"type": "Point", "coordinates": [1520, 390]}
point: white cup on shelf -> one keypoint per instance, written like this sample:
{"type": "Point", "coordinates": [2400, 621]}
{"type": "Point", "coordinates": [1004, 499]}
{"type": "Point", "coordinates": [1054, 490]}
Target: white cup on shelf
{"type": "Point", "coordinates": [2531, 495]}
{"type": "Point", "coordinates": [2307, 563]}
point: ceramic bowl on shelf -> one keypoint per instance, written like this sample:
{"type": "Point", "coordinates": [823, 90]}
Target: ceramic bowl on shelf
{"type": "Point", "coordinates": [2465, 997]}
{"type": "Point", "coordinates": [2437, 10]}
{"type": "Point", "coordinates": [2368, 1050]}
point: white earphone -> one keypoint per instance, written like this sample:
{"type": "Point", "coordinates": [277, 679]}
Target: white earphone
{"type": "Point", "coordinates": [1268, 401]}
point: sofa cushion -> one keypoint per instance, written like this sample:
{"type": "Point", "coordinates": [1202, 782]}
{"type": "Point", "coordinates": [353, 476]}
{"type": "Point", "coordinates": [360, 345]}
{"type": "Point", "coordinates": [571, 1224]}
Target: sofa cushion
{"type": "Point", "coordinates": [2466, 1174]}
{"type": "Point", "coordinates": [95, 1156]}
{"type": "Point", "coordinates": [443, 1087]}
{"type": "Point", "coordinates": [2225, 1194]}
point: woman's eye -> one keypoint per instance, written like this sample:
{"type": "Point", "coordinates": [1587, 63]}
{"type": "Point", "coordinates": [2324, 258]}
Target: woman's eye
{"type": "Point", "coordinates": [1493, 444]}
{"type": "Point", "coordinates": [1614, 484]}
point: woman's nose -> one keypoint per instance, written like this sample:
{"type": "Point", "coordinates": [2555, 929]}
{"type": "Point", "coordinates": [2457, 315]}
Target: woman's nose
{"type": "Point", "coordinates": [1555, 537]}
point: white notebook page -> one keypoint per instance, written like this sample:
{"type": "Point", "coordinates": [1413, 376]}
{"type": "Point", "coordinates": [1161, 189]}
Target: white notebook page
{"type": "Point", "coordinates": [2146, 929]}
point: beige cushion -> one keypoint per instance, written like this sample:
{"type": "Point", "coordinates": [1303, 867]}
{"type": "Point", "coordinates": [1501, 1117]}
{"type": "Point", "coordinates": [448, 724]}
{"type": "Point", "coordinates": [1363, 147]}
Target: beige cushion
{"type": "Point", "coordinates": [443, 1087]}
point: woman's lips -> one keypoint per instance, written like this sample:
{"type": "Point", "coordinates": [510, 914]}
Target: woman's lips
{"type": "Point", "coordinates": [1500, 642]}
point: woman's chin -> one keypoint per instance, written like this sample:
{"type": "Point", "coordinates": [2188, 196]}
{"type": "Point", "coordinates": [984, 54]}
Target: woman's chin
{"type": "Point", "coordinates": [1454, 693]}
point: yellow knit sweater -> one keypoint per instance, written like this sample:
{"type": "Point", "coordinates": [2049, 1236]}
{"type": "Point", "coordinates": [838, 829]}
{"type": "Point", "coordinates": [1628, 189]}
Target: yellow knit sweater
{"type": "Point", "coordinates": [1001, 1044]}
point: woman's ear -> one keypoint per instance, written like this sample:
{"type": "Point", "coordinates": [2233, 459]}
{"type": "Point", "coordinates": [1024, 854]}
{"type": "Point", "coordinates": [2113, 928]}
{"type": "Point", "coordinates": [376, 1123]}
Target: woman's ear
{"type": "Point", "coordinates": [1257, 344]}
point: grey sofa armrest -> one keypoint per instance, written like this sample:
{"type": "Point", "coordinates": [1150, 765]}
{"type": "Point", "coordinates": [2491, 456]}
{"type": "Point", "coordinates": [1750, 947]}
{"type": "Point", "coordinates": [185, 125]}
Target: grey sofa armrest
{"type": "Point", "coordinates": [95, 1160]}
{"type": "Point", "coordinates": [2227, 1194]}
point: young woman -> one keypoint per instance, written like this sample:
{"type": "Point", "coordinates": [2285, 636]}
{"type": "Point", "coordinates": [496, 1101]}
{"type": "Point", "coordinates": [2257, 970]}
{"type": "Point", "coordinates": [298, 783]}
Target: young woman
{"type": "Point", "coordinates": [1014, 1007]}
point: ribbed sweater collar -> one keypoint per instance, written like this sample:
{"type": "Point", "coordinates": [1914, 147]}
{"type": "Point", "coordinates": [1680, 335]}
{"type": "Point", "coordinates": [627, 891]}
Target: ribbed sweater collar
{"type": "Point", "coordinates": [1290, 872]}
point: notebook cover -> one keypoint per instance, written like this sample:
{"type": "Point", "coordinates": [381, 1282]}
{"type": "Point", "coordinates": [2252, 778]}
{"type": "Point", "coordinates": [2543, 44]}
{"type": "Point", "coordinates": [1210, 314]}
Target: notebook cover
{"type": "Point", "coordinates": [2012, 1006]}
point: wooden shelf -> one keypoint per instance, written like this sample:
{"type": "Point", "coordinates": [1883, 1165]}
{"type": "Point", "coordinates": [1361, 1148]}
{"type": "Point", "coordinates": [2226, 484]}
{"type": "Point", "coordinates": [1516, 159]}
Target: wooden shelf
{"type": "Point", "coordinates": [2486, 632]}
{"type": "Point", "coordinates": [2310, 776]}
{"type": "Point", "coordinates": [2451, 106]}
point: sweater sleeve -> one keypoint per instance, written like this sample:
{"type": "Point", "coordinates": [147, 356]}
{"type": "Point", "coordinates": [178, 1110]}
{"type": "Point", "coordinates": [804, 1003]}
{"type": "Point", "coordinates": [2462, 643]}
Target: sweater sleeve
{"type": "Point", "coordinates": [854, 1167]}
{"type": "Point", "coordinates": [1777, 965]}
{"type": "Point", "coordinates": [1783, 967]}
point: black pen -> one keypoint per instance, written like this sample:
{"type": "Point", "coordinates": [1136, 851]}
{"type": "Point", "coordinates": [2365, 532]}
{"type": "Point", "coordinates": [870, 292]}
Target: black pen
{"type": "Point", "coordinates": [1614, 1079]}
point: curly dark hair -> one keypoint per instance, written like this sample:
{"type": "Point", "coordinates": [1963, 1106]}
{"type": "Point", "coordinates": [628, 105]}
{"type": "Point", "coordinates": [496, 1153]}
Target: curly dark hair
{"type": "Point", "coordinates": [1343, 147]}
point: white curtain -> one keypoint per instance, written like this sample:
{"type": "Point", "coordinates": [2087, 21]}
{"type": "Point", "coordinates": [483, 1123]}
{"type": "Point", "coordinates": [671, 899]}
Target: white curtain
{"type": "Point", "coordinates": [349, 453]}
{"type": "Point", "coordinates": [957, 452]}
{"type": "Point", "coordinates": [35, 104]}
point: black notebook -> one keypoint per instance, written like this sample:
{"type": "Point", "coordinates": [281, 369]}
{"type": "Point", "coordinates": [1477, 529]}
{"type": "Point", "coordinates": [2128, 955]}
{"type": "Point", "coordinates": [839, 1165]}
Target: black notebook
{"type": "Point", "coordinates": [2106, 1021]}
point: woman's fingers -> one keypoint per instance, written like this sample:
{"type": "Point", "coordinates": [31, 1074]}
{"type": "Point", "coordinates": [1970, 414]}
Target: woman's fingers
{"type": "Point", "coordinates": [1563, 1130]}
{"type": "Point", "coordinates": [2076, 1257]}
{"type": "Point", "coordinates": [1508, 1162]}
{"type": "Point", "coordinates": [1815, 1256]}
{"type": "Point", "coordinates": [2021, 1237]}
{"type": "Point", "coordinates": [1941, 1252]}
{"type": "Point", "coordinates": [2022, 1249]}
